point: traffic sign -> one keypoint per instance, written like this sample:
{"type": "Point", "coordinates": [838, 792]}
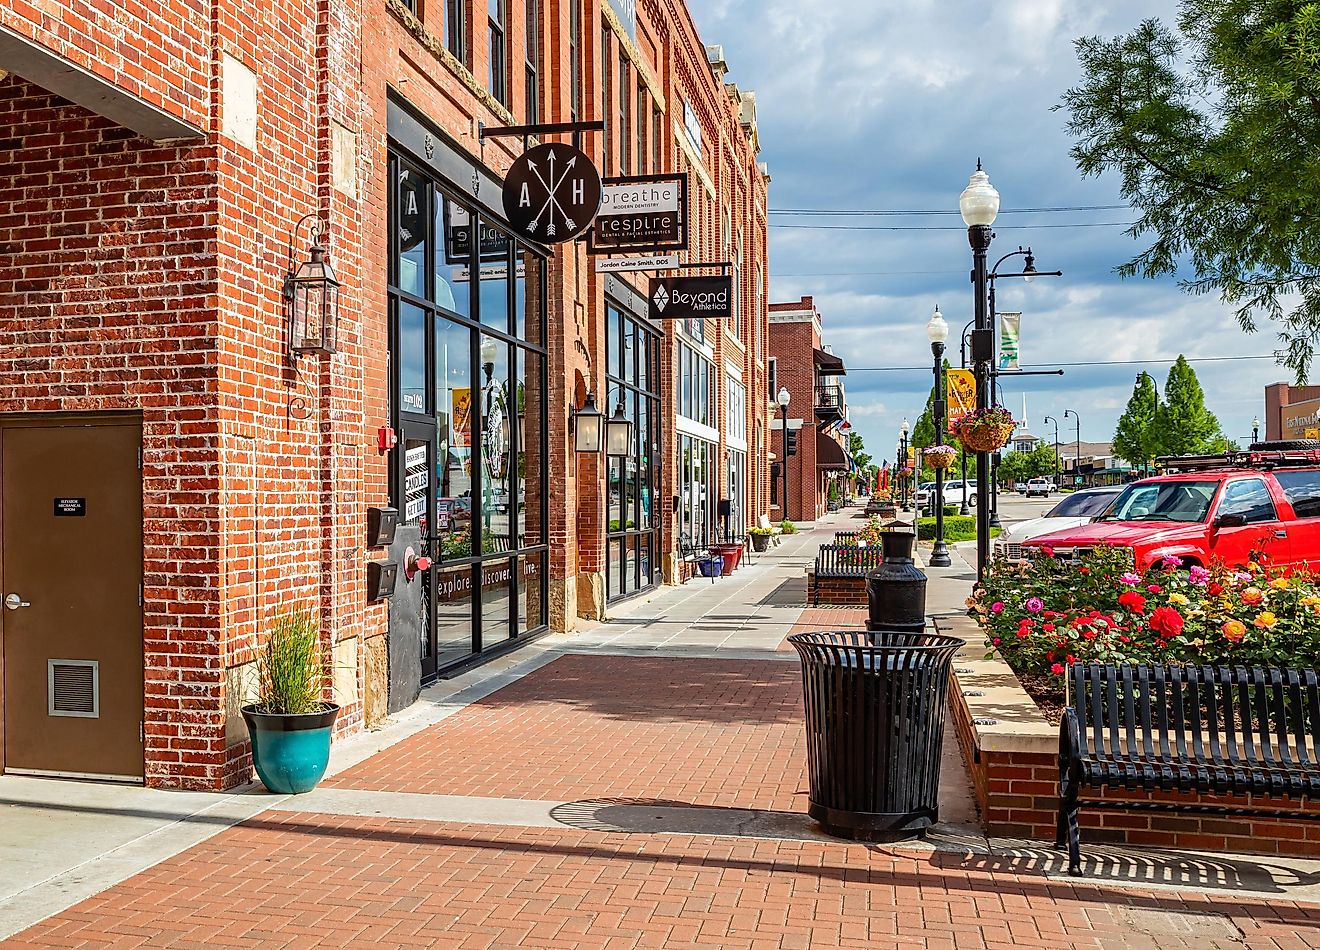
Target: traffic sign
{"type": "Point", "coordinates": [552, 193]}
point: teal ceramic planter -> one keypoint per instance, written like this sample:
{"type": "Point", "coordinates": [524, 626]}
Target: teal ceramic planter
{"type": "Point", "coordinates": [290, 753]}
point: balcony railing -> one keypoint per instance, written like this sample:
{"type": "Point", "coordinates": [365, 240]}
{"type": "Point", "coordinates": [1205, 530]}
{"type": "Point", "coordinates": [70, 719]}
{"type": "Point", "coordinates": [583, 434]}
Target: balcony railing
{"type": "Point", "coordinates": [829, 402]}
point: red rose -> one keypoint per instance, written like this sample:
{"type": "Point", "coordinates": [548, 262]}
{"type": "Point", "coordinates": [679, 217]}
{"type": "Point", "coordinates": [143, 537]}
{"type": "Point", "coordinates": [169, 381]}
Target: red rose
{"type": "Point", "coordinates": [1084, 570]}
{"type": "Point", "coordinates": [1166, 621]}
{"type": "Point", "coordinates": [1057, 669]}
{"type": "Point", "coordinates": [1131, 600]}
{"type": "Point", "coordinates": [1214, 590]}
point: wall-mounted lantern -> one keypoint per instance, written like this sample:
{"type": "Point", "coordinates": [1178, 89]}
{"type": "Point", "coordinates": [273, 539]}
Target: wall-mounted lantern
{"type": "Point", "coordinates": [587, 426]}
{"type": "Point", "coordinates": [312, 293]}
{"type": "Point", "coordinates": [618, 433]}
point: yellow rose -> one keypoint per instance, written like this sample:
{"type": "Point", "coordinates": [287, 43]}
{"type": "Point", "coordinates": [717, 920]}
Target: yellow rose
{"type": "Point", "coordinates": [1309, 601]}
{"type": "Point", "coordinates": [1266, 620]}
{"type": "Point", "coordinates": [1234, 630]}
{"type": "Point", "coordinates": [1279, 583]}
{"type": "Point", "coordinates": [1252, 596]}
{"type": "Point", "coordinates": [1179, 599]}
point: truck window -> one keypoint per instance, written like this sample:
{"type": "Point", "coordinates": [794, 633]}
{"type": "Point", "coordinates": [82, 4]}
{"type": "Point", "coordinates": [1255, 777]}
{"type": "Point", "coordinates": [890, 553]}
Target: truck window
{"type": "Point", "coordinates": [1248, 497]}
{"type": "Point", "coordinates": [1302, 489]}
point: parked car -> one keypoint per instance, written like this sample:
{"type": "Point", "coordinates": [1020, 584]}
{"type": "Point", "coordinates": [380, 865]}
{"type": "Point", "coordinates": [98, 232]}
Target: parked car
{"type": "Point", "coordinates": [1039, 486]}
{"type": "Point", "coordinates": [953, 493]}
{"type": "Point", "coordinates": [1073, 511]}
{"type": "Point", "coordinates": [1264, 502]}
{"type": "Point", "coordinates": [1020, 487]}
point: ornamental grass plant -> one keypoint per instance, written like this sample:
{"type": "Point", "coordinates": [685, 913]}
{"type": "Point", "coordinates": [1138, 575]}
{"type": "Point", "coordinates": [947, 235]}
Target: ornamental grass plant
{"type": "Point", "coordinates": [1043, 616]}
{"type": "Point", "coordinates": [291, 676]}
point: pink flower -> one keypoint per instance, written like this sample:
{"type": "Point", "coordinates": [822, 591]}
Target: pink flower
{"type": "Point", "coordinates": [1130, 579]}
{"type": "Point", "coordinates": [1035, 605]}
{"type": "Point", "coordinates": [1154, 588]}
{"type": "Point", "coordinates": [997, 607]}
{"type": "Point", "coordinates": [1198, 575]}
{"type": "Point", "coordinates": [1170, 560]}
{"type": "Point", "coordinates": [1057, 669]}
{"type": "Point", "coordinates": [995, 641]}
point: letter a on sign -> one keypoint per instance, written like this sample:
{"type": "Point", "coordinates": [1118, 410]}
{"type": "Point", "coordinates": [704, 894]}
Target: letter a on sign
{"type": "Point", "coordinates": [552, 193]}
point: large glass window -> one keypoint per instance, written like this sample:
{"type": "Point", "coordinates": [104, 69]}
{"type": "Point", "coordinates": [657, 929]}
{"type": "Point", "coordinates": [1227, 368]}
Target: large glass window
{"type": "Point", "coordinates": [468, 357]}
{"type": "Point", "coordinates": [575, 59]}
{"type": "Point", "coordinates": [697, 487]}
{"type": "Point", "coordinates": [632, 370]}
{"type": "Point", "coordinates": [533, 61]}
{"type": "Point", "coordinates": [625, 115]}
{"type": "Point", "coordinates": [606, 98]}
{"type": "Point", "coordinates": [452, 28]}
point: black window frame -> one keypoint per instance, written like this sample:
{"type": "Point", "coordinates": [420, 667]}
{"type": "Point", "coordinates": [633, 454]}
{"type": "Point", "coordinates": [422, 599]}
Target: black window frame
{"type": "Point", "coordinates": [498, 48]}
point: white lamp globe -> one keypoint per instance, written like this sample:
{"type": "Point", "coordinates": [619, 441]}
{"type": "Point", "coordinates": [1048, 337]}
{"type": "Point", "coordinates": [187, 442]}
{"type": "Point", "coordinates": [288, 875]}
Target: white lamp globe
{"type": "Point", "coordinates": [979, 201]}
{"type": "Point", "coordinates": [783, 396]}
{"type": "Point", "coordinates": [937, 330]}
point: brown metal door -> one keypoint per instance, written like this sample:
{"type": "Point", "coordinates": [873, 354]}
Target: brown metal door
{"type": "Point", "coordinates": [71, 624]}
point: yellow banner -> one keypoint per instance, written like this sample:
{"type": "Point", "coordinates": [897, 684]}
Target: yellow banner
{"type": "Point", "coordinates": [962, 393]}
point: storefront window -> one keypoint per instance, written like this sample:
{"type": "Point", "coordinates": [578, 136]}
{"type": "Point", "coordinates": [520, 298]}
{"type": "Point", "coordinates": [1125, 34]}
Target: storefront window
{"type": "Point", "coordinates": [469, 363]}
{"type": "Point", "coordinates": [632, 480]}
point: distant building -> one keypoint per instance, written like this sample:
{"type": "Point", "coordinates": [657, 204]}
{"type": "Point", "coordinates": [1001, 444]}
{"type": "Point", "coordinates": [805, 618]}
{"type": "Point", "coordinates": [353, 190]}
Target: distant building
{"type": "Point", "coordinates": [1292, 412]}
{"type": "Point", "coordinates": [1087, 464]}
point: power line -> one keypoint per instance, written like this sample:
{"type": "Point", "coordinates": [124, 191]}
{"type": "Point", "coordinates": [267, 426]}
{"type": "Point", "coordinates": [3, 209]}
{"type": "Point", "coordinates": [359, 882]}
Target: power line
{"type": "Point", "coordinates": [946, 227]}
{"type": "Point", "coordinates": [855, 211]}
{"type": "Point", "coordinates": [1170, 360]}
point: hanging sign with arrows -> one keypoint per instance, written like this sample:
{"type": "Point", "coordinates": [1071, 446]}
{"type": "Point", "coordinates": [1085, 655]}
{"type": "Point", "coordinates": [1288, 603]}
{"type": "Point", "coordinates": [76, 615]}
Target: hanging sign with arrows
{"type": "Point", "coordinates": [552, 193]}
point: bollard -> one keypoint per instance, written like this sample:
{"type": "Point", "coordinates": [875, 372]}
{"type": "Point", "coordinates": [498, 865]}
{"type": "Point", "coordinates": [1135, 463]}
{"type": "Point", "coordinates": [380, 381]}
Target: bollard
{"type": "Point", "coordinates": [896, 593]}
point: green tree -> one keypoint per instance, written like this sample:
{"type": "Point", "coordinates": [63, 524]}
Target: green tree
{"type": "Point", "coordinates": [1215, 135]}
{"type": "Point", "coordinates": [923, 433]}
{"type": "Point", "coordinates": [1136, 437]}
{"type": "Point", "coordinates": [1185, 425]}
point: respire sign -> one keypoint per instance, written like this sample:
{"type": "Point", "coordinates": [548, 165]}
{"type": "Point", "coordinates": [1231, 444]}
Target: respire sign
{"type": "Point", "coordinates": [642, 213]}
{"type": "Point", "coordinates": [552, 193]}
{"type": "Point", "coordinates": [690, 298]}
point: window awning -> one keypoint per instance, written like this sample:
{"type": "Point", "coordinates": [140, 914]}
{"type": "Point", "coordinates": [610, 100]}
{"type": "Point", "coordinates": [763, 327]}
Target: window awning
{"type": "Point", "coordinates": [829, 454]}
{"type": "Point", "coordinates": [827, 364]}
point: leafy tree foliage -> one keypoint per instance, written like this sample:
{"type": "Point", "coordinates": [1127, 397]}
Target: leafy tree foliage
{"type": "Point", "coordinates": [923, 433]}
{"type": "Point", "coordinates": [1021, 466]}
{"type": "Point", "coordinates": [1135, 436]}
{"type": "Point", "coordinates": [1214, 131]}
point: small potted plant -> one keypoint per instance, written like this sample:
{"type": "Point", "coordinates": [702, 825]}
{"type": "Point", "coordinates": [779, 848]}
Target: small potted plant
{"type": "Point", "coordinates": [986, 430]}
{"type": "Point", "coordinates": [940, 456]}
{"type": "Point", "coordinates": [760, 539]}
{"type": "Point", "coordinates": [290, 723]}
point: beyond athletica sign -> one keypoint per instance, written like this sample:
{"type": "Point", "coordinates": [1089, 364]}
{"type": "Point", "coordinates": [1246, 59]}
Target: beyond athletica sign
{"type": "Point", "coordinates": [642, 213]}
{"type": "Point", "coordinates": [551, 194]}
{"type": "Point", "coordinates": [691, 298]}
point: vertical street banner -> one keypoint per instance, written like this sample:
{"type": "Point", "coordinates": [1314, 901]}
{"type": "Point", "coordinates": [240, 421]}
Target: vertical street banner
{"type": "Point", "coordinates": [1010, 328]}
{"type": "Point", "coordinates": [961, 385]}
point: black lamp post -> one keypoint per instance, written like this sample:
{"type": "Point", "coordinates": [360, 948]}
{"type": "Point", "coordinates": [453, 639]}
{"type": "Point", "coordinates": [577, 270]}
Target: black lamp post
{"type": "Point", "coordinates": [979, 204]}
{"type": "Point", "coordinates": [962, 449]}
{"type": "Point", "coordinates": [1077, 464]}
{"type": "Point", "coordinates": [1255, 429]}
{"type": "Point", "coordinates": [903, 431]}
{"type": "Point", "coordinates": [1058, 467]}
{"type": "Point", "coordinates": [1154, 411]}
{"type": "Point", "coordinates": [782, 399]}
{"type": "Point", "coordinates": [937, 331]}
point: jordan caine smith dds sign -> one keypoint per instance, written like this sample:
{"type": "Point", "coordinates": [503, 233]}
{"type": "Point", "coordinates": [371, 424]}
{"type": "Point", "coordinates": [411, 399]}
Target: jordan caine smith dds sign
{"type": "Point", "coordinates": [643, 213]}
{"type": "Point", "coordinates": [691, 298]}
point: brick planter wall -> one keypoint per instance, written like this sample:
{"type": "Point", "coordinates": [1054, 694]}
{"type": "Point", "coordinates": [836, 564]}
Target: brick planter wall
{"type": "Point", "coordinates": [1015, 773]}
{"type": "Point", "coordinates": [836, 590]}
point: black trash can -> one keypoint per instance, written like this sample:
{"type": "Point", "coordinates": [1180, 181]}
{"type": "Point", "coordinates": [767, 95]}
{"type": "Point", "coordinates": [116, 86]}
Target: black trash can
{"type": "Point", "coordinates": [875, 705]}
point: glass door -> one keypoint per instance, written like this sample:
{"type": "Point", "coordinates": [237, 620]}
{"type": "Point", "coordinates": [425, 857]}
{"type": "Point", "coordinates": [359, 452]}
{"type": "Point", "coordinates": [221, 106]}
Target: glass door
{"type": "Point", "coordinates": [419, 509]}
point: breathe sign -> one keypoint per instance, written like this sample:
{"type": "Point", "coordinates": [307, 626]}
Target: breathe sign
{"type": "Point", "coordinates": [645, 213]}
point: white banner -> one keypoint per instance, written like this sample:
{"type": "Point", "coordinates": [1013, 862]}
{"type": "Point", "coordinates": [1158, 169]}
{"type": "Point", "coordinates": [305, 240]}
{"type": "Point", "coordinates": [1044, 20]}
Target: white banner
{"type": "Point", "coordinates": [1010, 329]}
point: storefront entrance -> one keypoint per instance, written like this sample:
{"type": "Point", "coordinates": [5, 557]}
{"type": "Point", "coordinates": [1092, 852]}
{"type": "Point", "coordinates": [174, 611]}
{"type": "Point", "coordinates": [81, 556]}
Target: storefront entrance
{"type": "Point", "coordinates": [468, 359]}
{"type": "Point", "coordinates": [71, 569]}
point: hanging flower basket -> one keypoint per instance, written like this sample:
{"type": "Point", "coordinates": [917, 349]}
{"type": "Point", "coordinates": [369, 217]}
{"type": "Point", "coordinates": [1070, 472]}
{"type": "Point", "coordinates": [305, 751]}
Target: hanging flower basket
{"type": "Point", "coordinates": [940, 456]}
{"type": "Point", "coordinates": [986, 430]}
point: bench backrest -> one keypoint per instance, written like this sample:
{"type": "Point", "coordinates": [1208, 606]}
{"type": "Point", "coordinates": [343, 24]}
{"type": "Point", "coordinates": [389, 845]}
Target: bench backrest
{"type": "Point", "coordinates": [762, 521]}
{"type": "Point", "coordinates": [1225, 715]}
{"type": "Point", "coordinates": [848, 559]}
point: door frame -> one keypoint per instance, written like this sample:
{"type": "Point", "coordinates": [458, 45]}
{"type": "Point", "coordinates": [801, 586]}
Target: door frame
{"type": "Point", "coordinates": [48, 420]}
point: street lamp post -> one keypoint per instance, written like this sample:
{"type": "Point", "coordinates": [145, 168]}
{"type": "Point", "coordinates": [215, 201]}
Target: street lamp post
{"type": "Point", "coordinates": [1077, 464]}
{"type": "Point", "coordinates": [783, 399]}
{"type": "Point", "coordinates": [937, 331]}
{"type": "Point", "coordinates": [1058, 466]}
{"type": "Point", "coordinates": [1154, 411]}
{"type": "Point", "coordinates": [962, 449]}
{"type": "Point", "coordinates": [903, 431]}
{"type": "Point", "coordinates": [979, 204]}
{"type": "Point", "coordinates": [1255, 429]}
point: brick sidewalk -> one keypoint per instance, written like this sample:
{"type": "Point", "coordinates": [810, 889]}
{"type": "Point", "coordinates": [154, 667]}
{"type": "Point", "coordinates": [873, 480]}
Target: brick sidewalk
{"type": "Point", "coordinates": [300, 880]}
{"type": "Point", "coordinates": [702, 732]}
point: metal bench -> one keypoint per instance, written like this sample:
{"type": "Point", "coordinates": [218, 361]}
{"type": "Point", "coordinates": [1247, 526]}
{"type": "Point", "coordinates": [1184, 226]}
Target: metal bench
{"type": "Point", "coordinates": [694, 555]}
{"type": "Point", "coordinates": [1207, 730]}
{"type": "Point", "coordinates": [844, 560]}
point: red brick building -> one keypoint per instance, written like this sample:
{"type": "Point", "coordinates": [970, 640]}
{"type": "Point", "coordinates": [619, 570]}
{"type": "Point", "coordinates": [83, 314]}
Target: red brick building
{"type": "Point", "coordinates": [174, 476]}
{"type": "Point", "coordinates": [817, 411]}
{"type": "Point", "coordinates": [1291, 412]}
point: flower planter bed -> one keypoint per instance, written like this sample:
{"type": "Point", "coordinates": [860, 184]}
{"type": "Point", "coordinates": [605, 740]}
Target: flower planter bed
{"type": "Point", "coordinates": [1012, 751]}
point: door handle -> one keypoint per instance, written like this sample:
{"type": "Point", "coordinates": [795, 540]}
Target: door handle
{"type": "Point", "coordinates": [13, 602]}
{"type": "Point", "coordinates": [1281, 534]}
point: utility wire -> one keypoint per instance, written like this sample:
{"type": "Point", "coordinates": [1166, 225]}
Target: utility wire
{"type": "Point", "coordinates": [855, 211]}
{"type": "Point", "coordinates": [946, 227]}
{"type": "Point", "coordinates": [1169, 360]}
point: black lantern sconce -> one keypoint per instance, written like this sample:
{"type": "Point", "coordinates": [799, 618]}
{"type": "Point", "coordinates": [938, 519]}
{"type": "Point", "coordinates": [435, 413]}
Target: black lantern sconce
{"type": "Point", "coordinates": [587, 426]}
{"type": "Point", "coordinates": [618, 433]}
{"type": "Point", "coordinates": [312, 294]}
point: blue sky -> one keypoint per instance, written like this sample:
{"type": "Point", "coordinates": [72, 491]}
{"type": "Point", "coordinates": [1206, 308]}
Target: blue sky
{"type": "Point", "coordinates": [888, 105]}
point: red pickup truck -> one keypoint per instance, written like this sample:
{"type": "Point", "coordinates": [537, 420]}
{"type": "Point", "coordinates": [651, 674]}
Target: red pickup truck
{"type": "Point", "coordinates": [1229, 508]}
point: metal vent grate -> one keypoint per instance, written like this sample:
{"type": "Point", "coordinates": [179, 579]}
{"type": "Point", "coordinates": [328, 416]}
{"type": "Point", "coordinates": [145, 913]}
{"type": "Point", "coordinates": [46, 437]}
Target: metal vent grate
{"type": "Point", "coordinates": [74, 688]}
